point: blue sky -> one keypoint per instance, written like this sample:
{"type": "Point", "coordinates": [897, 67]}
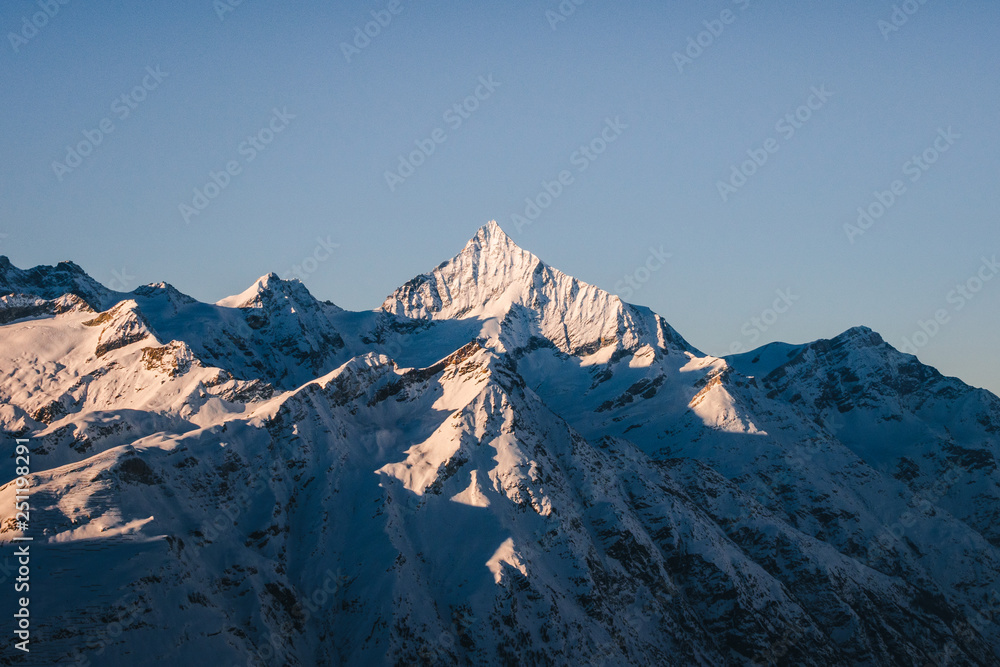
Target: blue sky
{"type": "Point", "coordinates": [310, 129]}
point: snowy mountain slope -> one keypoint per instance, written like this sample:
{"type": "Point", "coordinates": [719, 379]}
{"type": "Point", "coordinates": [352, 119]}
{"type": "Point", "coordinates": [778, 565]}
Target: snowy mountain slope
{"type": "Point", "coordinates": [483, 518]}
{"type": "Point", "coordinates": [501, 465]}
{"type": "Point", "coordinates": [790, 459]}
{"type": "Point", "coordinates": [879, 397]}
{"type": "Point", "coordinates": [80, 382]}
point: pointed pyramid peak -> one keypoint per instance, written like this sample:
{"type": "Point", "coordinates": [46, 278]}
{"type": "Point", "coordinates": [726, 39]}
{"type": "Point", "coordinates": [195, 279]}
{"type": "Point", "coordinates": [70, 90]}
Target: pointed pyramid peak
{"type": "Point", "coordinates": [491, 233]}
{"type": "Point", "coordinates": [270, 288]}
{"type": "Point", "coordinates": [494, 279]}
{"type": "Point", "coordinates": [491, 268]}
{"type": "Point", "coordinates": [268, 281]}
{"type": "Point", "coordinates": [490, 239]}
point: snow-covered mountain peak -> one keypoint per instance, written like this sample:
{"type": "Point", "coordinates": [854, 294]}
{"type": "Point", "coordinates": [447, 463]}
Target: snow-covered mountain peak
{"type": "Point", "coordinates": [270, 291]}
{"type": "Point", "coordinates": [860, 337]}
{"type": "Point", "coordinates": [859, 348]}
{"type": "Point", "coordinates": [247, 297]}
{"type": "Point", "coordinates": [491, 234]}
{"type": "Point", "coordinates": [522, 299]}
{"type": "Point", "coordinates": [162, 288]}
{"type": "Point", "coordinates": [485, 278]}
{"type": "Point", "coordinates": [51, 282]}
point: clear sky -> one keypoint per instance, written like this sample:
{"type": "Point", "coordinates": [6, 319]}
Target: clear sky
{"type": "Point", "coordinates": [310, 128]}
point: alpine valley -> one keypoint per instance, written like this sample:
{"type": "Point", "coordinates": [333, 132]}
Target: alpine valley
{"type": "Point", "coordinates": [501, 465]}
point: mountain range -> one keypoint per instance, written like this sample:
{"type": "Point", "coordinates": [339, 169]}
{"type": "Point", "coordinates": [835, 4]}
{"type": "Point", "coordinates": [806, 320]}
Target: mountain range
{"type": "Point", "coordinates": [500, 465]}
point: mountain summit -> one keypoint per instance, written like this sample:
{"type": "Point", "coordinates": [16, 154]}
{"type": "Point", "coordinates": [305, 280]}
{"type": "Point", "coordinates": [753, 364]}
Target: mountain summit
{"type": "Point", "coordinates": [485, 279]}
{"type": "Point", "coordinates": [270, 291]}
{"type": "Point", "coordinates": [51, 282]}
{"type": "Point", "coordinates": [494, 280]}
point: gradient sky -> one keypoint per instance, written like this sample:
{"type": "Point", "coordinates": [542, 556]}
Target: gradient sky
{"type": "Point", "coordinates": [323, 176]}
